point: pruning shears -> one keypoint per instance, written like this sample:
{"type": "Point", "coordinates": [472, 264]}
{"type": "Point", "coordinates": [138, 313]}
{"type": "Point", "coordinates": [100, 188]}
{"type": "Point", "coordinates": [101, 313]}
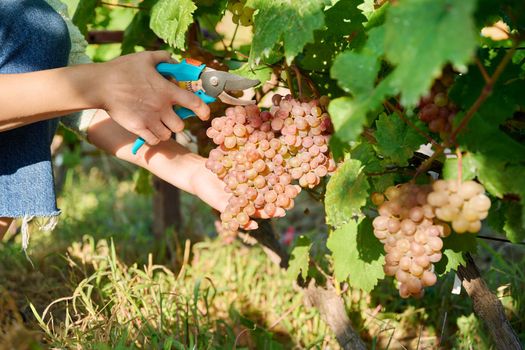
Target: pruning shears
{"type": "Point", "coordinates": [207, 83]}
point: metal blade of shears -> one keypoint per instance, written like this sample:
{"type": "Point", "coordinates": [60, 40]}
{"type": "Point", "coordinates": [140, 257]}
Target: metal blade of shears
{"type": "Point", "coordinates": [216, 83]}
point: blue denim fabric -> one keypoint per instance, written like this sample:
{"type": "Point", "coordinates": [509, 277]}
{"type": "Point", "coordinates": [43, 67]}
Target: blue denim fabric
{"type": "Point", "coordinates": [33, 37]}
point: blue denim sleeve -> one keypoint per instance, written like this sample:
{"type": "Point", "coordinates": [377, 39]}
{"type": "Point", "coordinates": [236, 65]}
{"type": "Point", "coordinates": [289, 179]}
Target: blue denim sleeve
{"type": "Point", "coordinates": [33, 37]}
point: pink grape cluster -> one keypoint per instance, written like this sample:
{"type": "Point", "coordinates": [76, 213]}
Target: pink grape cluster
{"type": "Point", "coordinates": [463, 204]}
{"type": "Point", "coordinates": [305, 129]}
{"type": "Point", "coordinates": [411, 235]}
{"type": "Point", "coordinates": [436, 109]}
{"type": "Point", "coordinates": [261, 153]}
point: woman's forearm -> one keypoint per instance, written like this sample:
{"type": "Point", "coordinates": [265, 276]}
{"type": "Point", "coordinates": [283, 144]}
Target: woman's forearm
{"type": "Point", "coordinates": [129, 88]}
{"type": "Point", "coordinates": [167, 160]}
{"type": "Point", "coordinates": [30, 97]}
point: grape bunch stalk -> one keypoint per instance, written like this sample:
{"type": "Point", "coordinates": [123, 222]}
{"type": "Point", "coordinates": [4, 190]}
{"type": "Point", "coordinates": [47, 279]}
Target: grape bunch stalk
{"type": "Point", "coordinates": [412, 237]}
{"type": "Point", "coordinates": [436, 109]}
{"type": "Point", "coordinates": [265, 157]}
{"type": "Point", "coordinates": [242, 14]}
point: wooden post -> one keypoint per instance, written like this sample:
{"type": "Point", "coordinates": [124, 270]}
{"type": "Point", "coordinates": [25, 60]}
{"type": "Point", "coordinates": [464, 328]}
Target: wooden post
{"type": "Point", "coordinates": [488, 307]}
{"type": "Point", "coordinates": [325, 300]}
{"type": "Point", "coordinates": [166, 208]}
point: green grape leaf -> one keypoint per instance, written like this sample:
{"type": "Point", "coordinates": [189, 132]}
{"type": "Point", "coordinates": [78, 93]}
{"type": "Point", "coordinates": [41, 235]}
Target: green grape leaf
{"type": "Point", "coordinates": [85, 14]}
{"type": "Point", "coordinates": [451, 168]}
{"type": "Point", "coordinates": [299, 258]}
{"type": "Point", "coordinates": [422, 36]}
{"type": "Point", "coordinates": [365, 153]}
{"type": "Point", "coordinates": [514, 228]}
{"type": "Point", "coordinates": [396, 140]}
{"type": "Point", "coordinates": [210, 8]}
{"type": "Point", "coordinates": [338, 148]}
{"type": "Point", "coordinates": [344, 28]}
{"type": "Point", "coordinates": [357, 254]}
{"type": "Point", "coordinates": [382, 182]}
{"type": "Point", "coordinates": [344, 18]}
{"type": "Point", "coordinates": [481, 136]}
{"type": "Point", "coordinates": [261, 73]}
{"type": "Point", "coordinates": [349, 115]}
{"type": "Point", "coordinates": [318, 56]}
{"type": "Point", "coordinates": [450, 261]}
{"type": "Point", "coordinates": [170, 20]}
{"type": "Point", "coordinates": [138, 31]}
{"type": "Point", "coordinates": [505, 97]}
{"type": "Point", "coordinates": [341, 116]}
{"type": "Point", "coordinates": [356, 72]}
{"type": "Point", "coordinates": [502, 178]}
{"type": "Point", "coordinates": [367, 7]}
{"type": "Point", "coordinates": [453, 248]}
{"type": "Point", "coordinates": [287, 23]}
{"type": "Point", "coordinates": [346, 193]}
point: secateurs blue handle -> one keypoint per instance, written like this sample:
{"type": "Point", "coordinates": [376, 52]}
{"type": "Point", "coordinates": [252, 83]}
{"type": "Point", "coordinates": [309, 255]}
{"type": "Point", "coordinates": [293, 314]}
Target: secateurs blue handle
{"type": "Point", "coordinates": [186, 70]}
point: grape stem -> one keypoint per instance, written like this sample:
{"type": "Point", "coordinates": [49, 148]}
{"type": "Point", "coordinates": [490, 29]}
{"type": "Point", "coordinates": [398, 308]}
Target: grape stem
{"type": "Point", "coordinates": [309, 82]}
{"type": "Point", "coordinates": [233, 37]}
{"type": "Point", "coordinates": [428, 162]}
{"type": "Point", "coordinates": [412, 125]}
{"type": "Point", "coordinates": [289, 81]}
{"type": "Point", "coordinates": [124, 6]}
{"type": "Point", "coordinates": [485, 93]}
{"type": "Point", "coordinates": [388, 171]}
{"type": "Point", "coordinates": [498, 239]}
{"type": "Point", "coordinates": [311, 85]}
{"type": "Point", "coordinates": [460, 165]}
{"type": "Point", "coordinates": [299, 78]}
{"type": "Point", "coordinates": [483, 71]}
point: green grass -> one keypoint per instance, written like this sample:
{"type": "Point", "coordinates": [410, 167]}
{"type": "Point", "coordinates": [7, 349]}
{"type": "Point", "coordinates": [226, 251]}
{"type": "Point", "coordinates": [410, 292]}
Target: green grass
{"type": "Point", "coordinates": [101, 281]}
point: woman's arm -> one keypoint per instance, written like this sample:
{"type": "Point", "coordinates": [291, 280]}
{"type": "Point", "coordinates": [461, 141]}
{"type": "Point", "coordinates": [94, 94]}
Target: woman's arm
{"type": "Point", "coordinates": [30, 97]}
{"type": "Point", "coordinates": [129, 88]}
{"type": "Point", "coordinates": [167, 160]}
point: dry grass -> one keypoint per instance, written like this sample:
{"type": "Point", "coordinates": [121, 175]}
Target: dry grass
{"type": "Point", "coordinates": [101, 282]}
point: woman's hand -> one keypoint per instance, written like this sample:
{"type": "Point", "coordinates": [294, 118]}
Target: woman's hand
{"type": "Point", "coordinates": [141, 100]}
{"type": "Point", "coordinates": [169, 160]}
{"type": "Point", "coordinates": [208, 187]}
{"type": "Point", "coordinates": [129, 88]}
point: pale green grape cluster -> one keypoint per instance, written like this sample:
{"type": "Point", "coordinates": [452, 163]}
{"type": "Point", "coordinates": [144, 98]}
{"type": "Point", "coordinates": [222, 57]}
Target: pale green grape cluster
{"type": "Point", "coordinates": [242, 14]}
{"type": "Point", "coordinates": [411, 235]}
{"type": "Point", "coordinates": [462, 204]}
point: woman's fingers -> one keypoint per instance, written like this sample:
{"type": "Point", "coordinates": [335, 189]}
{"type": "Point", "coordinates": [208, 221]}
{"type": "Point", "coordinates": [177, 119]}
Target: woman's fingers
{"type": "Point", "coordinates": [160, 131]}
{"type": "Point", "coordinates": [161, 56]}
{"type": "Point", "coordinates": [149, 137]}
{"type": "Point", "coordinates": [260, 213]}
{"type": "Point", "coordinates": [189, 100]}
{"type": "Point", "coordinates": [172, 121]}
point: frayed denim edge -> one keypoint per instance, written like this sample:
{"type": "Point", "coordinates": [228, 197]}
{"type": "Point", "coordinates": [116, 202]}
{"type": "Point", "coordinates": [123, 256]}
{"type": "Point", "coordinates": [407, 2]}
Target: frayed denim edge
{"type": "Point", "coordinates": [49, 223]}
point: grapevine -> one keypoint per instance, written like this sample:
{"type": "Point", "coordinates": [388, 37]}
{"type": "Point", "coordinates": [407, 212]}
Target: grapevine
{"type": "Point", "coordinates": [408, 82]}
{"type": "Point", "coordinates": [411, 225]}
{"type": "Point", "coordinates": [266, 157]}
{"type": "Point", "coordinates": [411, 235]}
{"type": "Point", "coordinates": [436, 109]}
